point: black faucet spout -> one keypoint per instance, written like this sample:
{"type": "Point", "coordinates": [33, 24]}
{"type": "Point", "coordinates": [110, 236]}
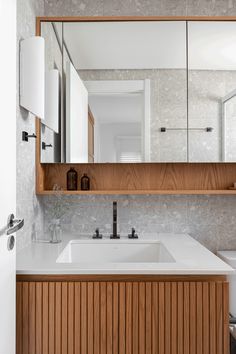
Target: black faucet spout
{"type": "Point", "coordinates": [114, 225]}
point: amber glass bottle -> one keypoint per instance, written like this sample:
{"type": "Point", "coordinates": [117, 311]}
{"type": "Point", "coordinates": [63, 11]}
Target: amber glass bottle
{"type": "Point", "coordinates": [85, 183]}
{"type": "Point", "coordinates": [72, 180]}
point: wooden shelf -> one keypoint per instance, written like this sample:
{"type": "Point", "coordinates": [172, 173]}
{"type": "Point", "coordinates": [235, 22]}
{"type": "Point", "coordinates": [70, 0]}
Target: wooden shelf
{"type": "Point", "coordinates": [142, 178]}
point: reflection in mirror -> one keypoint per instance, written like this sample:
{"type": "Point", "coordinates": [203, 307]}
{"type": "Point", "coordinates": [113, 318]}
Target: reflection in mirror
{"type": "Point", "coordinates": [229, 127]}
{"type": "Point", "coordinates": [212, 85]}
{"type": "Point", "coordinates": [135, 75]}
{"type": "Point", "coordinates": [51, 126]}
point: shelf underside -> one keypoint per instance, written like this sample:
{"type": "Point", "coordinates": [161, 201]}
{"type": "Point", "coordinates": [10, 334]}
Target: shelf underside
{"type": "Point", "coordinates": [141, 192]}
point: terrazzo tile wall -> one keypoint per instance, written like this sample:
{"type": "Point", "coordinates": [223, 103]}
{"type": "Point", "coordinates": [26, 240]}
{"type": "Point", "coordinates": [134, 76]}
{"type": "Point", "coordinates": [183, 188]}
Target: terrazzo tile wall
{"type": "Point", "coordinates": [28, 205]}
{"type": "Point", "coordinates": [210, 219]}
{"type": "Point", "coordinates": [140, 7]}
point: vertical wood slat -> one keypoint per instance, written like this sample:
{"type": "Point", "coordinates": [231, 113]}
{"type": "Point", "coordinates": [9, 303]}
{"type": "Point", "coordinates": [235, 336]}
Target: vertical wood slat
{"type": "Point", "coordinates": [219, 318]}
{"type": "Point", "coordinates": [103, 324]}
{"type": "Point", "coordinates": [180, 318]}
{"type": "Point", "coordinates": [141, 305]}
{"type": "Point", "coordinates": [32, 324]}
{"type": "Point", "coordinates": [212, 311]}
{"type": "Point", "coordinates": [186, 318]}
{"type": "Point", "coordinates": [161, 318]}
{"type": "Point", "coordinates": [225, 318]}
{"type": "Point", "coordinates": [64, 318]}
{"type": "Point", "coordinates": [77, 321]}
{"type": "Point", "coordinates": [45, 320]}
{"type": "Point", "coordinates": [25, 314]}
{"type": "Point", "coordinates": [51, 318]}
{"type": "Point", "coordinates": [206, 318]}
{"type": "Point", "coordinates": [193, 314]}
{"type": "Point", "coordinates": [58, 310]}
{"type": "Point", "coordinates": [115, 314]}
{"type": "Point", "coordinates": [97, 316]}
{"type": "Point", "coordinates": [167, 318]}
{"type": "Point", "coordinates": [84, 318]}
{"type": "Point", "coordinates": [19, 318]}
{"type": "Point", "coordinates": [122, 317]}
{"type": "Point", "coordinates": [128, 320]}
{"type": "Point", "coordinates": [199, 318]}
{"type": "Point", "coordinates": [155, 337]}
{"type": "Point", "coordinates": [71, 309]}
{"type": "Point", "coordinates": [148, 311]}
{"type": "Point", "coordinates": [90, 318]}
{"type": "Point", "coordinates": [135, 318]}
{"type": "Point", "coordinates": [38, 318]}
{"type": "Point", "coordinates": [174, 318]}
{"type": "Point", "coordinates": [109, 318]}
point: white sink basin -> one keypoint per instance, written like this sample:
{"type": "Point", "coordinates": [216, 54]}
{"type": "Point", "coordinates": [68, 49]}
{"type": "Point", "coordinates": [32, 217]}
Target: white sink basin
{"type": "Point", "coordinates": [114, 251]}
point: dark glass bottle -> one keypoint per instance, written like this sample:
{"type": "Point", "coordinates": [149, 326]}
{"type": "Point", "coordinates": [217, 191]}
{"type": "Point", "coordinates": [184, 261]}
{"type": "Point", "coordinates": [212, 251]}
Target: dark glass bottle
{"type": "Point", "coordinates": [72, 180]}
{"type": "Point", "coordinates": [85, 183]}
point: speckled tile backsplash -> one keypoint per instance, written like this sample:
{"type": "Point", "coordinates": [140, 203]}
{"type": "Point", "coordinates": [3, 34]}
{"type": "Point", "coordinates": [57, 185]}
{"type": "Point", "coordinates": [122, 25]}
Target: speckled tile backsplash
{"type": "Point", "coordinates": [210, 219]}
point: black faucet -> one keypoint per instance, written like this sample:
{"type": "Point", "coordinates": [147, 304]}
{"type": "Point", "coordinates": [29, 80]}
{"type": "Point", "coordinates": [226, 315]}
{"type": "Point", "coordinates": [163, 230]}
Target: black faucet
{"type": "Point", "coordinates": [133, 234]}
{"type": "Point", "coordinates": [97, 234]}
{"type": "Point", "coordinates": [114, 233]}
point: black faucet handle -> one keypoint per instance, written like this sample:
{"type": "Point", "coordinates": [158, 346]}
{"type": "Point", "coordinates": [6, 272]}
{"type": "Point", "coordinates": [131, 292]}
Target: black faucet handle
{"type": "Point", "coordinates": [97, 234]}
{"type": "Point", "coordinates": [133, 234]}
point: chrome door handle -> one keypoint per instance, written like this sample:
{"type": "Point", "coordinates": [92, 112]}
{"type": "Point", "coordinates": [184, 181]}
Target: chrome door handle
{"type": "Point", "coordinates": [12, 226]}
{"type": "Point", "coordinates": [16, 225]}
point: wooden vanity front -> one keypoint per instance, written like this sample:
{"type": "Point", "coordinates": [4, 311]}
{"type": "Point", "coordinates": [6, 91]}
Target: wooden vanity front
{"type": "Point", "coordinates": [122, 314]}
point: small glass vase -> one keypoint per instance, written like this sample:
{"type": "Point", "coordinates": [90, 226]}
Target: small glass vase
{"type": "Point", "coordinates": [55, 231]}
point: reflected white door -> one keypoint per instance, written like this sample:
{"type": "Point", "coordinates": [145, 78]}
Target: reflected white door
{"type": "Point", "coordinates": [76, 117]}
{"type": "Point", "coordinates": [7, 171]}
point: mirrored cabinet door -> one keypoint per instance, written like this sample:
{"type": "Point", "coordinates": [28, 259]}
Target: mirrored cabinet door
{"type": "Point", "coordinates": [51, 128]}
{"type": "Point", "coordinates": [124, 92]}
{"type": "Point", "coordinates": [212, 91]}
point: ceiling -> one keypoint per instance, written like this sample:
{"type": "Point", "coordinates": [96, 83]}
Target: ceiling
{"type": "Point", "coordinates": [126, 45]}
{"type": "Point", "coordinates": [150, 45]}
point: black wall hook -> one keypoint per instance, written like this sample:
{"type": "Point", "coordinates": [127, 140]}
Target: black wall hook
{"type": "Point", "coordinates": [26, 136]}
{"type": "Point", "coordinates": [44, 145]}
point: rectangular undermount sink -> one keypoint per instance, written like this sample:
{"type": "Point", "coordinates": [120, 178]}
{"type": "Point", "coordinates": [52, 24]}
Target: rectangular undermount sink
{"type": "Point", "coordinates": [114, 251]}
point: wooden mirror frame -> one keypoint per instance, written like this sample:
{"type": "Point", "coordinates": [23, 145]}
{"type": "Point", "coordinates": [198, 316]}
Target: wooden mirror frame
{"type": "Point", "coordinates": [131, 178]}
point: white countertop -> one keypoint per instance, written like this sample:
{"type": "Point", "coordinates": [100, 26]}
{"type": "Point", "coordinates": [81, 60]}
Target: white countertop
{"type": "Point", "coordinates": [190, 258]}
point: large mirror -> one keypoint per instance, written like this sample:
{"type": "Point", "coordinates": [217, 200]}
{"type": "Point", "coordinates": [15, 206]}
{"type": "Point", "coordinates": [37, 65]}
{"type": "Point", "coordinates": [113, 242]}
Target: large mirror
{"type": "Point", "coordinates": [123, 92]}
{"type": "Point", "coordinates": [140, 91]}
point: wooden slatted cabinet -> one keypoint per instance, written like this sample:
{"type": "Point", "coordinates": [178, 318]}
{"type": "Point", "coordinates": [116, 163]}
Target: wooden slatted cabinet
{"type": "Point", "coordinates": [122, 317]}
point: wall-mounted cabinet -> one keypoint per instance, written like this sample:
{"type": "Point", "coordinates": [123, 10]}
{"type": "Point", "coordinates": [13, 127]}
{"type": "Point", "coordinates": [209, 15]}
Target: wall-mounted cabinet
{"type": "Point", "coordinates": [161, 91]}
